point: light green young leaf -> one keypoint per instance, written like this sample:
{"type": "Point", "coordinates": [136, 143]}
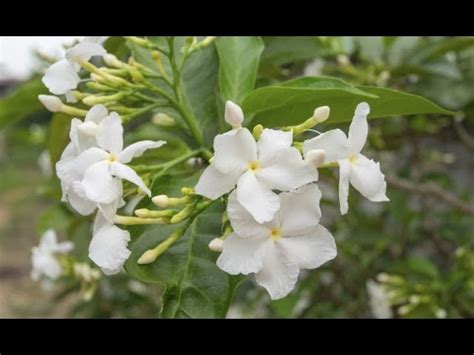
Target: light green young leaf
{"type": "Point", "coordinates": [238, 64]}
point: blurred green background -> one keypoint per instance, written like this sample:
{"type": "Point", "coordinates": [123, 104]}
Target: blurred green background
{"type": "Point", "coordinates": [412, 257]}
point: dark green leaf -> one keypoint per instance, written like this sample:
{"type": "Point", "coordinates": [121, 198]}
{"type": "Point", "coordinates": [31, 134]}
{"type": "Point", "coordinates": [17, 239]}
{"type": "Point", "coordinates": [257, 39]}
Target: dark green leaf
{"type": "Point", "coordinates": [294, 101]}
{"type": "Point", "coordinates": [195, 287]}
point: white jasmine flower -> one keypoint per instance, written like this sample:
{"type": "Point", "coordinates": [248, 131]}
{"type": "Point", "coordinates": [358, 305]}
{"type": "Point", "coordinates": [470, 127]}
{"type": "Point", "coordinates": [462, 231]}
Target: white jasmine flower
{"type": "Point", "coordinates": [256, 169]}
{"type": "Point", "coordinates": [62, 76]}
{"type": "Point", "coordinates": [71, 171]}
{"type": "Point", "coordinates": [109, 246]}
{"type": "Point", "coordinates": [378, 300]}
{"type": "Point", "coordinates": [276, 251]}
{"type": "Point", "coordinates": [105, 165]}
{"type": "Point", "coordinates": [362, 173]}
{"type": "Point", "coordinates": [44, 256]}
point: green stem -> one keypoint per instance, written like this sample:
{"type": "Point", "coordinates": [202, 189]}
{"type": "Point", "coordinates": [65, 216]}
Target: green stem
{"type": "Point", "coordinates": [168, 165]}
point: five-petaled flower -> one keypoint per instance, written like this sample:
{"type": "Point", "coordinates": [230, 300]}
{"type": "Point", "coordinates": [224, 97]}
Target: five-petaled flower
{"type": "Point", "coordinates": [276, 250]}
{"type": "Point", "coordinates": [363, 173]}
{"type": "Point", "coordinates": [256, 168]}
{"type": "Point", "coordinates": [62, 77]}
{"type": "Point", "coordinates": [44, 256]}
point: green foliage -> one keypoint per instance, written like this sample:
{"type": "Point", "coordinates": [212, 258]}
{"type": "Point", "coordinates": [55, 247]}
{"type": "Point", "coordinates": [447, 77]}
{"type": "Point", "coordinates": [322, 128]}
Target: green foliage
{"type": "Point", "coordinates": [294, 101]}
{"type": "Point", "coordinates": [22, 102]}
{"type": "Point", "coordinates": [238, 64]}
{"type": "Point", "coordinates": [194, 286]}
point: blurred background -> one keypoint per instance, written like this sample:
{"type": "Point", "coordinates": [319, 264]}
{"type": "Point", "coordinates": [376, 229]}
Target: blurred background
{"type": "Point", "coordinates": [412, 257]}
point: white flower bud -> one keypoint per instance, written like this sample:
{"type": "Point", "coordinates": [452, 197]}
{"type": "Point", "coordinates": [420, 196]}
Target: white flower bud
{"type": "Point", "coordinates": [111, 60]}
{"type": "Point", "coordinates": [88, 128]}
{"type": "Point", "coordinates": [147, 257]}
{"type": "Point", "coordinates": [321, 114]}
{"type": "Point", "coordinates": [52, 103]}
{"type": "Point", "coordinates": [233, 114]}
{"type": "Point", "coordinates": [162, 119]}
{"type": "Point", "coordinates": [162, 201]}
{"type": "Point", "coordinates": [216, 244]}
{"type": "Point", "coordinates": [315, 157]}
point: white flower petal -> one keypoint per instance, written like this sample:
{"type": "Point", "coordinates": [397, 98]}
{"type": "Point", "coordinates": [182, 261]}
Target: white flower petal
{"type": "Point", "coordinates": [286, 171]}
{"type": "Point", "coordinates": [213, 184]}
{"type": "Point", "coordinates": [97, 39]}
{"type": "Point", "coordinates": [271, 142]}
{"type": "Point", "coordinates": [96, 114]}
{"type": "Point", "coordinates": [84, 51]}
{"type": "Point", "coordinates": [64, 247]}
{"type": "Point", "coordinates": [299, 211]}
{"type": "Point", "coordinates": [124, 172]}
{"type": "Point", "coordinates": [48, 240]}
{"type": "Point", "coordinates": [344, 172]}
{"type": "Point", "coordinates": [309, 250]}
{"type": "Point", "coordinates": [136, 149]}
{"type": "Point", "coordinates": [108, 249]}
{"type": "Point", "coordinates": [259, 200]}
{"type": "Point", "coordinates": [241, 255]}
{"type": "Point", "coordinates": [359, 128]}
{"type": "Point", "coordinates": [110, 134]}
{"type": "Point", "coordinates": [242, 221]}
{"type": "Point", "coordinates": [44, 264]}
{"type": "Point", "coordinates": [98, 183]}
{"type": "Point", "coordinates": [334, 143]}
{"type": "Point", "coordinates": [99, 222]}
{"type": "Point", "coordinates": [234, 150]}
{"type": "Point", "coordinates": [70, 98]}
{"type": "Point", "coordinates": [109, 210]}
{"type": "Point", "coordinates": [61, 77]}
{"type": "Point", "coordinates": [368, 179]}
{"type": "Point", "coordinates": [278, 274]}
{"type": "Point", "coordinates": [78, 201]}
{"type": "Point", "coordinates": [87, 158]}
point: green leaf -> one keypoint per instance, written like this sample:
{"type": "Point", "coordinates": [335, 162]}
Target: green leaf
{"type": "Point", "coordinates": [294, 101]}
{"type": "Point", "coordinates": [200, 82]}
{"type": "Point", "coordinates": [22, 102]}
{"type": "Point", "coordinates": [239, 58]}
{"type": "Point", "coordinates": [283, 50]}
{"type": "Point", "coordinates": [194, 286]}
{"type": "Point", "coordinates": [58, 136]}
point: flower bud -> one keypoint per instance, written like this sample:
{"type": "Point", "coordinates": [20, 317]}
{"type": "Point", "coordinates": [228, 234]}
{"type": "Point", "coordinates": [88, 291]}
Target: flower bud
{"type": "Point", "coordinates": [148, 257]}
{"type": "Point", "coordinates": [321, 114]}
{"type": "Point", "coordinates": [52, 103]}
{"type": "Point", "coordinates": [162, 119]}
{"type": "Point", "coordinates": [162, 201]}
{"type": "Point", "coordinates": [112, 61]}
{"type": "Point", "coordinates": [233, 114]}
{"type": "Point", "coordinates": [257, 131]}
{"type": "Point", "coordinates": [216, 245]}
{"type": "Point", "coordinates": [315, 157]}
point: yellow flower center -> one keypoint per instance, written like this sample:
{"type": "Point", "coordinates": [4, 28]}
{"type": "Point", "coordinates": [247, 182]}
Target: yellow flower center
{"type": "Point", "coordinates": [352, 158]}
{"type": "Point", "coordinates": [111, 158]}
{"type": "Point", "coordinates": [254, 166]}
{"type": "Point", "coordinates": [275, 234]}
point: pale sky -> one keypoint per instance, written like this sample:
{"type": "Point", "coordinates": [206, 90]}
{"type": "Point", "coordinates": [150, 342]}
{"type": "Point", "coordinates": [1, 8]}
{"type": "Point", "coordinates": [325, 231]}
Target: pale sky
{"type": "Point", "coordinates": [16, 53]}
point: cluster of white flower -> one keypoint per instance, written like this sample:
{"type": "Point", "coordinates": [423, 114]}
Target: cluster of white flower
{"type": "Point", "coordinates": [91, 170]}
{"type": "Point", "coordinates": [273, 206]}
{"type": "Point", "coordinates": [276, 235]}
{"type": "Point", "coordinates": [44, 258]}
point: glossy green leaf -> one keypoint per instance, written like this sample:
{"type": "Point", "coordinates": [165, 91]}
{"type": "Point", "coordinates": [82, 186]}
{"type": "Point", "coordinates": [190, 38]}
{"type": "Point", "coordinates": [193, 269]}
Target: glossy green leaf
{"type": "Point", "coordinates": [194, 286]}
{"type": "Point", "coordinates": [238, 64]}
{"type": "Point", "coordinates": [294, 101]}
{"type": "Point", "coordinates": [22, 102]}
{"type": "Point", "coordinates": [282, 50]}
{"type": "Point", "coordinates": [200, 84]}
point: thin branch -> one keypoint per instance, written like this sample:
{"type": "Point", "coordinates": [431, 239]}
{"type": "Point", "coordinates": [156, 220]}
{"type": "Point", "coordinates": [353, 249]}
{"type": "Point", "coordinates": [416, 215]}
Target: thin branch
{"type": "Point", "coordinates": [433, 191]}
{"type": "Point", "coordinates": [463, 134]}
